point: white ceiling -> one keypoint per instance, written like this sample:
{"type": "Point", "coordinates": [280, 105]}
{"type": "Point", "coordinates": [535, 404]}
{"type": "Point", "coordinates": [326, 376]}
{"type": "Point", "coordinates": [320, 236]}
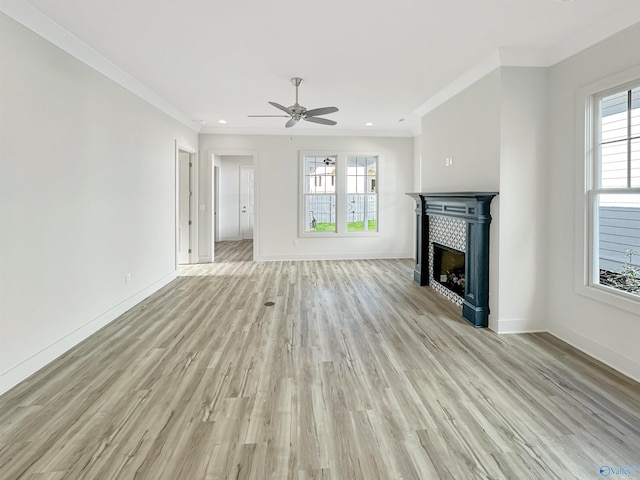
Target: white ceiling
{"type": "Point", "coordinates": [376, 60]}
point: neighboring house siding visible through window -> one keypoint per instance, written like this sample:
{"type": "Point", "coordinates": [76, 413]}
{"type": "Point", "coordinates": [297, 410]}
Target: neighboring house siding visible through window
{"type": "Point", "coordinates": [615, 191]}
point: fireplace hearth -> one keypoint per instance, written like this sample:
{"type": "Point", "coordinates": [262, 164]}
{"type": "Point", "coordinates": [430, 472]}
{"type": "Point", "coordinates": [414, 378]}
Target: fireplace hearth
{"type": "Point", "coordinates": [459, 222]}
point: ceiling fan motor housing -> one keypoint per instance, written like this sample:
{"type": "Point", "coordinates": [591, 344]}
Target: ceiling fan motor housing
{"type": "Point", "coordinates": [298, 110]}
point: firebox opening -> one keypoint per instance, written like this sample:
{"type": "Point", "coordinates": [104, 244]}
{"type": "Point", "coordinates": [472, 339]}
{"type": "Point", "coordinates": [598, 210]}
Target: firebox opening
{"type": "Point", "coordinates": [448, 268]}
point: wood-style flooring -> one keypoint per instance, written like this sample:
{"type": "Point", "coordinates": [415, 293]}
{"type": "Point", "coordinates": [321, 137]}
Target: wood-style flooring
{"type": "Point", "coordinates": [353, 373]}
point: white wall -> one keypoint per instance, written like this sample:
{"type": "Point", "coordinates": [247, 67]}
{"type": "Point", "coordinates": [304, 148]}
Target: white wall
{"type": "Point", "coordinates": [524, 142]}
{"type": "Point", "coordinates": [276, 222]}
{"type": "Point", "coordinates": [229, 207]}
{"type": "Point", "coordinates": [523, 162]}
{"type": "Point", "coordinates": [606, 332]}
{"type": "Point", "coordinates": [467, 129]}
{"type": "Point", "coordinates": [87, 194]}
{"type": "Point", "coordinates": [417, 164]}
{"type": "Point", "coordinates": [495, 131]}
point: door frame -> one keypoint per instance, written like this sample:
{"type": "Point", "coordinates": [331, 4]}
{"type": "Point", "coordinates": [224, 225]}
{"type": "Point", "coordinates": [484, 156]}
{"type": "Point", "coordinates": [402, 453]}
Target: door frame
{"type": "Point", "coordinates": [193, 234]}
{"type": "Point", "coordinates": [215, 202]}
{"type": "Point", "coordinates": [210, 194]}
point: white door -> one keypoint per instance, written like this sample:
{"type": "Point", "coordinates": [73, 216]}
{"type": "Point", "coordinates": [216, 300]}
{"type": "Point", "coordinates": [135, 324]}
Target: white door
{"type": "Point", "coordinates": [246, 202]}
{"type": "Point", "coordinates": [184, 208]}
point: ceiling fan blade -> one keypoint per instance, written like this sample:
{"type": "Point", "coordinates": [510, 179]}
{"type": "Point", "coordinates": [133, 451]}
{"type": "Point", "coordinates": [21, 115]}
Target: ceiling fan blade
{"type": "Point", "coordinates": [323, 121]}
{"type": "Point", "coordinates": [320, 111]}
{"type": "Point", "coordinates": [292, 121]}
{"type": "Point", "coordinates": [284, 109]}
{"type": "Point", "coordinates": [267, 115]}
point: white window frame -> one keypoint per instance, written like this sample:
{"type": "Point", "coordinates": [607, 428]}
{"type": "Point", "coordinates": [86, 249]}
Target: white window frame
{"type": "Point", "coordinates": [588, 188]}
{"type": "Point", "coordinates": [340, 193]}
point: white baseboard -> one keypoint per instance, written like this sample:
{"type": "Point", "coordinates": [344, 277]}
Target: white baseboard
{"type": "Point", "coordinates": [15, 375]}
{"type": "Point", "coordinates": [332, 256]}
{"type": "Point", "coordinates": [516, 325]}
{"type": "Point", "coordinates": [619, 362]}
{"type": "Point", "coordinates": [623, 364]}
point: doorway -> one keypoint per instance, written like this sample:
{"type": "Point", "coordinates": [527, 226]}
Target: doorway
{"type": "Point", "coordinates": [231, 193]}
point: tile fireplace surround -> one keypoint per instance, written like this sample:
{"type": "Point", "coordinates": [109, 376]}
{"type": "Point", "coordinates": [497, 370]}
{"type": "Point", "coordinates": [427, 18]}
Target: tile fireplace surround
{"type": "Point", "coordinates": [442, 217]}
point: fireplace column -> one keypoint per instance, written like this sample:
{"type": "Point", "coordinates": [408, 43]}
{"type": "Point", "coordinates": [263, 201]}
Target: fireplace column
{"type": "Point", "coordinates": [420, 271]}
{"type": "Point", "coordinates": [475, 308]}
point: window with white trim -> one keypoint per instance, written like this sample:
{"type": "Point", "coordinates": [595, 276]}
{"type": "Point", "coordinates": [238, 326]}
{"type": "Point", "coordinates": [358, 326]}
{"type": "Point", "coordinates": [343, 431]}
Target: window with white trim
{"type": "Point", "coordinates": [319, 193]}
{"type": "Point", "coordinates": [339, 194]}
{"type": "Point", "coordinates": [615, 191]}
{"type": "Point", "coordinates": [362, 199]}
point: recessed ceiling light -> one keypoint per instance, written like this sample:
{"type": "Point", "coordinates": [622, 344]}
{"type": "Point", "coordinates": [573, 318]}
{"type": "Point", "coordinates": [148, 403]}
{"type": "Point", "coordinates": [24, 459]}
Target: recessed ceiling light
{"type": "Point", "coordinates": [222, 121]}
{"type": "Point", "coordinates": [368, 124]}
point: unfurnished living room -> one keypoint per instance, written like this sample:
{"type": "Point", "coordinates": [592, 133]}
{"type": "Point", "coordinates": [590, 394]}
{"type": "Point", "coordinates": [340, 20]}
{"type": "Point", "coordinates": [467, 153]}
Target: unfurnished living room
{"type": "Point", "coordinates": [339, 240]}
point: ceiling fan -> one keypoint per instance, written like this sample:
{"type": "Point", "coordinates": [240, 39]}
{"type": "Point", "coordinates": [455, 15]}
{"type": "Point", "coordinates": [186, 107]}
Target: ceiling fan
{"type": "Point", "coordinates": [297, 112]}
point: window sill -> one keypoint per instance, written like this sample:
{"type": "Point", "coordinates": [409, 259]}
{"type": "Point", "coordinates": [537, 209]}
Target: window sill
{"type": "Point", "coordinates": [338, 234]}
{"type": "Point", "coordinates": [624, 301]}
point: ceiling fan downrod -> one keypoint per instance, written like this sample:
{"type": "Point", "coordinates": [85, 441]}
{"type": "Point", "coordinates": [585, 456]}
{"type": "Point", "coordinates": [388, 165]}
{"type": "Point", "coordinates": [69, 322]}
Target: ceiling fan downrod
{"type": "Point", "coordinates": [296, 83]}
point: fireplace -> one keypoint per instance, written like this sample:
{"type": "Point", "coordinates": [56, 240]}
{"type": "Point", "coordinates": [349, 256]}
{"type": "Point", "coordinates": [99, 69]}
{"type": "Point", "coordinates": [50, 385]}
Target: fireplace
{"type": "Point", "coordinates": [457, 223]}
{"type": "Point", "coordinates": [451, 234]}
{"type": "Point", "coordinates": [448, 268]}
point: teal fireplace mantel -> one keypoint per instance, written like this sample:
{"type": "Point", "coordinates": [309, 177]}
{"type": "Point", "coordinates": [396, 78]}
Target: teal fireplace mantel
{"type": "Point", "coordinates": [474, 208]}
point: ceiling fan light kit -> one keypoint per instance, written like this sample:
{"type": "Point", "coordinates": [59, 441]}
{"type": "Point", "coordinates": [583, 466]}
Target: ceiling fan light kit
{"type": "Point", "coordinates": [297, 112]}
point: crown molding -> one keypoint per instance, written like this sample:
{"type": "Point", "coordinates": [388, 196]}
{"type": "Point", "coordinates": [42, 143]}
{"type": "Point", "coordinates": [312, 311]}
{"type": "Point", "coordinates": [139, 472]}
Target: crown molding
{"type": "Point", "coordinates": [534, 57]}
{"type": "Point", "coordinates": [43, 26]}
{"type": "Point", "coordinates": [464, 81]}
{"type": "Point", "coordinates": [606, 27]}
{"type": "Point", "coordinates": [311, 132]}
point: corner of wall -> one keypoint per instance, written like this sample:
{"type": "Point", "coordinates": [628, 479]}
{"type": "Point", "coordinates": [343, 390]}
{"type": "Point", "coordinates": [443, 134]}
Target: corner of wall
{"type": "Point", "coordinates": [31, 365]}
{"type": "Point", "coordinates": [601, 352]}
{"type": "Point", "coordinates": [517, 325]}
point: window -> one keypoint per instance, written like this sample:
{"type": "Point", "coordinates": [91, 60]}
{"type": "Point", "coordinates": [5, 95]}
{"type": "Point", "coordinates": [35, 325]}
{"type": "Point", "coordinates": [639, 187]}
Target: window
{"type": "Point", "coordinates": [361, 194]}
{"type": "Point", "coordinates": [320, 197]}
{"type": "Point", "coordinates": [339, 194]}
{"type": "Point", "coordinates": [615, 191]}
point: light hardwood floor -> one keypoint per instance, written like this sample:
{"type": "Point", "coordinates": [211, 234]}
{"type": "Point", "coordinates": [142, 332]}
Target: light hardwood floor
{"type": "Point", "coordinates": [354, 373]}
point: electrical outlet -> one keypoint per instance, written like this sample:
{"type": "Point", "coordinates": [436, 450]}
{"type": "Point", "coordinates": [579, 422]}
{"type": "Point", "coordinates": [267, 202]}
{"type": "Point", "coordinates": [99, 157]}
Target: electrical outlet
{"type": "Point", "coordinates": [448, 161]}
{"type": "Point", "coordinates": [127, 278]}
{"type": "Point", "coordinates": [295, 242]}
